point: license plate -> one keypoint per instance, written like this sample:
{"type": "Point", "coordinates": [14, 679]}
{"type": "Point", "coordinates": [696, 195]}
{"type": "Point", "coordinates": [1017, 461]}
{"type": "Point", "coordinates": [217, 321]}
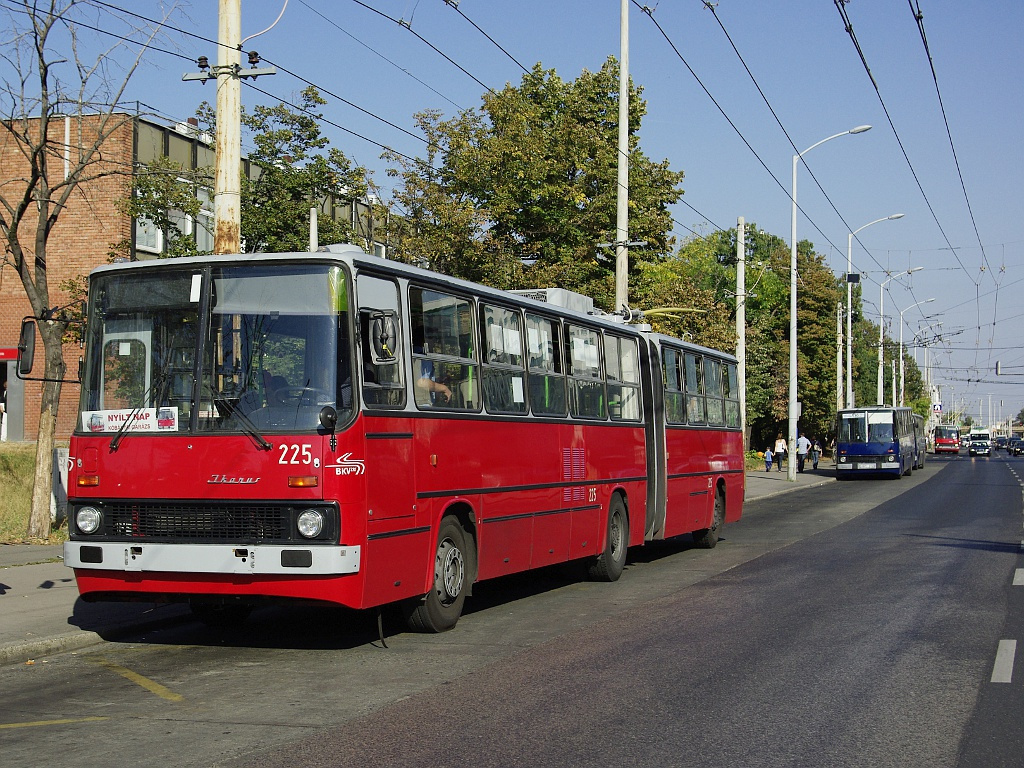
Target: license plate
{"type": "Point", "coordinates": [863, 465]}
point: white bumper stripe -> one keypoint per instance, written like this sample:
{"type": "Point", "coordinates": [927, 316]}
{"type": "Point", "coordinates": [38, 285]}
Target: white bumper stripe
{"type": "Point", "coordinates": [212, 558]}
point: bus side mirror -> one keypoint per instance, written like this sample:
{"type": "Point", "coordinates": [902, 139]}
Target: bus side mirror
{"type": "Point", "coordinates": [383, 337]}
{"type": "Point", "coordinates": [26, 347]}
{"type": "Point", "coordinates": [329, 421]}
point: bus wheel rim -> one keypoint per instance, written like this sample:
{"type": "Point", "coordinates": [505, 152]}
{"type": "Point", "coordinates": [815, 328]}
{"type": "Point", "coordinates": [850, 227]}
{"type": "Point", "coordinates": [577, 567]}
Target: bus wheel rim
{"type": "Point", "coordinates": [449, 571]}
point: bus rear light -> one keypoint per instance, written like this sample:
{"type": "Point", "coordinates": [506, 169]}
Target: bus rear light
{"type": "Point", "coordinates": [303, 481]}
{"type": "Point", "coordinates": [88, 481]}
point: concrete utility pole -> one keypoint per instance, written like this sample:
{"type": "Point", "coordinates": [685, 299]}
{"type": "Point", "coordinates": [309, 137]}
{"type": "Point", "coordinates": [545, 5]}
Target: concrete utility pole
{"type": "Point", "coordinates": [227, 199]}
{"type": "Point", "coordinates": [839, 356]}
{"type": "Point", "coordinates": [741, 324]}
{"type": "Point", "coordinates": [622, 191]}
{"type": "Point", "coordinates": [227, 192]}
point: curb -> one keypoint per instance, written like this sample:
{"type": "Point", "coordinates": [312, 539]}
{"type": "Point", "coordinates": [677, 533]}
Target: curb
{"type": "Point", "coordinates": [21, 652]}
{"type": "Point", "coordinates": [789, 489]}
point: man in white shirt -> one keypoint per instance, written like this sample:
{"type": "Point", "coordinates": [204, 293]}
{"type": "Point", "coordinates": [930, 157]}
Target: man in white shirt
{"type": "Point", "coordinates": [803, 445]}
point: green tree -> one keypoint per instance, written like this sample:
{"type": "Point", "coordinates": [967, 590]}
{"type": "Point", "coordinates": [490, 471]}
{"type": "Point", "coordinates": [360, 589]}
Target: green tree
{"type": "Point", "coordinates": [46, 81]}
{"type": "Point", "coordinates": [531, 175]}
{"type": "Point", "coordinates": [165, 193]}
{"type": "Point", "coordinates": [296, 170]}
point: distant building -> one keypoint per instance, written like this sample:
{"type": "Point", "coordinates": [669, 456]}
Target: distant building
{"type": "Point", "coordinates": [92, 223]}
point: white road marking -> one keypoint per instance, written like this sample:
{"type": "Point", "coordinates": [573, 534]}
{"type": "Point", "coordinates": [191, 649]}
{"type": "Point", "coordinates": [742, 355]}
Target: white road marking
{"type": "Point", "coordinates": [1002, 670]}
{"type": "Point", "coordinates": [1018, 577]}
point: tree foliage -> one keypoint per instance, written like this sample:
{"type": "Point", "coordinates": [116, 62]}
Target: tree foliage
{"type": "Point", "coordinates": [531, 176]}
{"type": "Point", "coordinates": [295, 169]}
{"type": "Point", "coordinates": [42, 84]}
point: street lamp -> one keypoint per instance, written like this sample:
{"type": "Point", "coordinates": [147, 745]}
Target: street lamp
{"type": "Point", "coordinates": [849, 305]}
{"type": "Point", "coordinates": [926, 301]}
{"type": "Point", "coordinates": [881, 327]}
{"type": "Point", "coordinates": [791, 468]}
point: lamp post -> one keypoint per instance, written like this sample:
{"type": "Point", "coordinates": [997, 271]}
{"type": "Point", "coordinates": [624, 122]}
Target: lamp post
{"type": "Point", "coordinates": [849, 305]}
{"type": "Point", "coordinates": [791, 465]}
{"type": "Point", "coordinates": [881, 327]}
{"type": "Point", "coordinates": [926, 301]}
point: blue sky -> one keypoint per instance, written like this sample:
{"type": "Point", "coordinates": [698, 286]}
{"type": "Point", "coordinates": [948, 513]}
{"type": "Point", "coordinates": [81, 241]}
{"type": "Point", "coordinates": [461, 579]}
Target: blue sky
{"type": "Point", "coordinates": [807, 67]}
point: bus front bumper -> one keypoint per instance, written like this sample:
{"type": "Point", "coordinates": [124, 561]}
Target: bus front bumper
{"type": "Point", "coordinates": [212, 558]}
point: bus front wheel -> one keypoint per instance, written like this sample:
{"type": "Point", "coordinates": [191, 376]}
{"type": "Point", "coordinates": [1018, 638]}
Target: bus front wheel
{"type": "Point", "coordinates": [440, 609]}
{"type": "Point", "coordinates": [609, 564]}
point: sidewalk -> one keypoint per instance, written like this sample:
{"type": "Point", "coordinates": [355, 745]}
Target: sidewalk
{"type": "Point", "coordinates": [41, 613]}
{"type": "Point", "coordinates": [761, 484]}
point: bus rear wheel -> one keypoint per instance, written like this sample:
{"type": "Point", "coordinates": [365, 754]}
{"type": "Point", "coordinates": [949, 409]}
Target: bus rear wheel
{"type": "Point", "coordinates": [708, 537]}
{"type": "Point", "coordinates": [609, 564]}
{"type": "Point", "coordinates": [440, 609]}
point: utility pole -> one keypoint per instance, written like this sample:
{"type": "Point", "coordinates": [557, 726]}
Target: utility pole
{"type": "Point", "coordinates": [741, 324]}
{"type": "Point", "coordinates": [622, 190]}
{"type": "Point", "coordinates": [839, 356]}
{"type": "Point", "coordinates": [227, 193]}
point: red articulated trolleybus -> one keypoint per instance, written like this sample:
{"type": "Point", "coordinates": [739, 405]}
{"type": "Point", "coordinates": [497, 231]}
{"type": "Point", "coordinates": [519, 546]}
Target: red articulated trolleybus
{"type": "Point", "coordinates": [336, 427]}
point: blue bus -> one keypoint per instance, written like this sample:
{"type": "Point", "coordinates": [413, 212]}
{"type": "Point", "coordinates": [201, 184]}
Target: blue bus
{"type": "Point", "coordinates": [878, 440]}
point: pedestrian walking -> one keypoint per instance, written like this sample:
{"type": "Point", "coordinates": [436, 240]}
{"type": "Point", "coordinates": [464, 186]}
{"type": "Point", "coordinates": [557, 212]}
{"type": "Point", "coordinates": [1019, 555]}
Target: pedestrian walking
{"type": "Point", "coordinates": [815, 453]}
{"type": "Point", "coordinates": [781, 449]}
{"type": "Point", "coordinates": [768, 459]}
{"type": "Point", "coordinates": [803, 445]}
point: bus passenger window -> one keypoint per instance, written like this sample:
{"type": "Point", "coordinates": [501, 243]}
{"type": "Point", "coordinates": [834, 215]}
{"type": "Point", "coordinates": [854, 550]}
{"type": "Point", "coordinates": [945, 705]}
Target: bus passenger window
{"type": "Point", "coordinates": [675, 405]}
{"type": "Point", "coordinates": [504, 383]}
{"type": "Point", "coordinates": [543, 351]}
{"type": "Point", "coordinates": [694, 389]}
{"type": "Point", "coordinates": [444, 369]}
{"type": "Point", "coordinates": [713, 391]}
{"type": "Point", "coordinates": [585, 379]}
{"type": "Point", "coordinates": [623, 370]}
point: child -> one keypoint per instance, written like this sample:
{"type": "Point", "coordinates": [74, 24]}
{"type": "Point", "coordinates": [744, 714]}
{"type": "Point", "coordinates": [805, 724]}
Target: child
{"type": "Point", "coordinates": [768, 459]}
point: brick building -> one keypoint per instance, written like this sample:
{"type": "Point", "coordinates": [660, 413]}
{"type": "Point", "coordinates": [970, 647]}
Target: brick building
{"type": "Point", "coordinates": [92, 224]}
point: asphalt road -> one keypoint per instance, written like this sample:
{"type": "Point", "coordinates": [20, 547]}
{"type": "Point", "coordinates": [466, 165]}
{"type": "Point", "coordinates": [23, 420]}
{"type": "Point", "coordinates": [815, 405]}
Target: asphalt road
{"type": "Point", "coordinates": [848, 625]}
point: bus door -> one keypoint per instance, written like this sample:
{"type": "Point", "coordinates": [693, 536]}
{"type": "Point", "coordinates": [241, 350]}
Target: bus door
{"type": "Point", "coordinates": [398, 539]}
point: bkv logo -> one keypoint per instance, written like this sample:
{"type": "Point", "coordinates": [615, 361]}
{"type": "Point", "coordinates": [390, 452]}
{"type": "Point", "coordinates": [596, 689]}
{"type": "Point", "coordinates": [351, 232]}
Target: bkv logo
{"type": "Point", "coordinates": [349, 466]}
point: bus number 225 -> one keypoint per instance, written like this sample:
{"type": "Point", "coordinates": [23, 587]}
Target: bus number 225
{"type": "Point", "coordinates": [300, 454]}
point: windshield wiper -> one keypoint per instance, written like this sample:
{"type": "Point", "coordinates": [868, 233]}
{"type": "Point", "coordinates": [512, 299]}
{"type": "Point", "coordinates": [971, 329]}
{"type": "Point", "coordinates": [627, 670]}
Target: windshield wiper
{"type": "Point", "coordinates": [158, 379]}
{"type": "Point", "coordinates": [248, 428]}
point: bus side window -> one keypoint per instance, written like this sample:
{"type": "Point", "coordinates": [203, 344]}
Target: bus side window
{"type": "Point", "coordinates": [445, 374]}
{"type": "Point", "coordinates": [544, 358]}
{"type": "Point", "coordinates": [585, 379]}
{"type": "Point", "coordinates": [713, 391]}
{"type": "Point", "coordinates": [504, 380]}
{"type": "Point", "coordinates": [730, 384]}
{"type": "Point", "coordinates": [694, 389]}
{"type": "Point", "coordinates": [622, 363]}
{"type": "Point", "coordinates": [380, 341]}
{"type": "Point", "coordinates": [675, 405]}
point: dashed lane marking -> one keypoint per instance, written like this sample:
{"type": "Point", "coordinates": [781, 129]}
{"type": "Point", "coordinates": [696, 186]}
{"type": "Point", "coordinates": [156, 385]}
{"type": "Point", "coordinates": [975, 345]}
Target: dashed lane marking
{"type": "Point", "coordinates": [1018, 577]}
{"type": "Point", "coordinates": [1002, 670]}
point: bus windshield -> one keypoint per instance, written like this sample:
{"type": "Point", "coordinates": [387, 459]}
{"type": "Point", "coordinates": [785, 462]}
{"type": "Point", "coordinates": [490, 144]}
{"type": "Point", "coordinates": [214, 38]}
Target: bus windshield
{"type": "Point", "coordinates": [223, 349]}
{"type": "Point", "coordinates": [866, 427]}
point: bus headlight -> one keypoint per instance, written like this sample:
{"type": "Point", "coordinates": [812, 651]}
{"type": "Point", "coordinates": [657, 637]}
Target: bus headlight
{"type": "Point", "coordinates": [892, 458]}
{"type": "Point", "coordinates": [88, 519]}
{"type": "Point", "coordinates": [310, 523]}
